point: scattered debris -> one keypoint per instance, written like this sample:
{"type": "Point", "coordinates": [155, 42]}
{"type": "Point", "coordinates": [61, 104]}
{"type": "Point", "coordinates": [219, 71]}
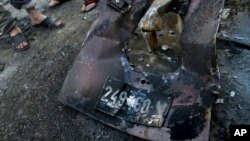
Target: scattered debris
{"type": "Point", "coordinates": [240, 107]}
{"type": "Point", "coordinates": [220, 101]}
{"type": "Point", "coordinates": [235, 77]}
{"type": "Point", "coordinates": [63, 54]}
{"type": "Point", "coordinates": [171, 32]}
{"type": "Point", "coordinates": [26, 86]}
{"type": "Point", "coordinates": [140, 58]}
{"type": "Point", "coordinates": [165, 47]}
{"type": "Point", "coordinates": [225, 13]}
{"type": "Point", "coordinates": [232, 93]}
{"type": "Point", "coordinates": [98, 137]}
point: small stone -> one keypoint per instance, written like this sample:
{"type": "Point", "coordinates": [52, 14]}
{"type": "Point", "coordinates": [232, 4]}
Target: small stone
{"type": "Point", "coordinates": [239, 62]}
{"type": "Point", "coordinates": [148, 65]}
{"type": "Point", "coordinates": [171, 32]}
{"type": "Point", "coordinates": [165, 47]}
{"type": "Point", "coordinates": [235, 77]}
{"type": "Point", "coordinates": [25, 86]}
{"type": "Point", "coordinates": [63, 54]}
{"type": "Point", "coordinates": [220, 101]}
{"type": "Point", "coordinates": [98, 137]}
{"type": "Point", "coordinates": [225, 13]}
{"type": "Point", "coordinates": [216, 92]}
{"type": "Point", "coordinates": [169, 59]}
{"type": "Point", "coordinates": [232, 93]}
{"type": "Point", "coordinates": [140, 58]}
{"type": "Point", "coordinates": [239, 106]}
{"type": "Point", "coordinates": [2, 67]}
{"type": "Point", "coordinates": [85, 18]}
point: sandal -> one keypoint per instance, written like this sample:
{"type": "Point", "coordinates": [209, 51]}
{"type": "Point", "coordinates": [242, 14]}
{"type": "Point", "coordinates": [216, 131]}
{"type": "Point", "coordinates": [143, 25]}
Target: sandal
{"type": "Point", "coordinates": [56, 3]}
{"type": "Point", "coordinates": [48, 23]}
{"type": "Point", "coordinates": [17, 40]}
{"type": "Point", "coordinates": [88, 2]}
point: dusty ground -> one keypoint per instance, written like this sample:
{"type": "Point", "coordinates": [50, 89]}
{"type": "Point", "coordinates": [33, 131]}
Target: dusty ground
{"type": "Point", "coordinates": [31, 81]}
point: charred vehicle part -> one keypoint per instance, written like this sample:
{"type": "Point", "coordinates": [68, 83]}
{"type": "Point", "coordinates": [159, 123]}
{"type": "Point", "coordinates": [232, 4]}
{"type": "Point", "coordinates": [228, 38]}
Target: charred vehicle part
{"type": "Point", "coordinates": [153, 19]}
{"type": "Point", "coordinates": [155, 106]}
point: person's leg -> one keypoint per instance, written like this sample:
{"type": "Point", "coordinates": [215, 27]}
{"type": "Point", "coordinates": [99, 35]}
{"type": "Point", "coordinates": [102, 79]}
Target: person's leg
{"type": "Point", "coordinates": [37, 18]}
{"type": "Point", "coordinates": [8, 26]}
{"type": "Point", "coordinates": [89, 5]}
{"type": "Point", "coordinates": [28, 5]}
{"type": "Point", "coordinates": [15, 31]}
{"type": "Point", "coordinates": [54, 3]}
{"type": "Point", "coordinates": [35, 15]}
{"type": "Point", "coordinates": [7, 22]}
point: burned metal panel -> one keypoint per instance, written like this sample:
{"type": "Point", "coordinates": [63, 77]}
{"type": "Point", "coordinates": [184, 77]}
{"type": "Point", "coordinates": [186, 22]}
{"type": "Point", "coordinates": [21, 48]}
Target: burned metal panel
{"type": "Point", "coordinates": [100, 55]}
{"type": "Point", "coordinates": [199, 35]}
{"type": "Point", "coordinates": [191, 88]}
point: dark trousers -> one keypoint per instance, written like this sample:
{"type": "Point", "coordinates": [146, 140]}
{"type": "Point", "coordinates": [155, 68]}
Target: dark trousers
{"type": "Point", "coordinates": [7, 22]}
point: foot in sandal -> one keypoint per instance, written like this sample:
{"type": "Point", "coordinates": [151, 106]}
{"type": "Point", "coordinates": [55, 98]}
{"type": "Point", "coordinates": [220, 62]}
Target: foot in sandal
{"type": "Point", "coordinates": [89, 5]}
{"type": "Point", "coordinates": [18, 40]}
{"type": "Point", "coordinates": [54, 3]}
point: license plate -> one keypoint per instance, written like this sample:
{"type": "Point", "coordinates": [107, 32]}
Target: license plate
{"type": "Point", "coordinates": [132, 104]}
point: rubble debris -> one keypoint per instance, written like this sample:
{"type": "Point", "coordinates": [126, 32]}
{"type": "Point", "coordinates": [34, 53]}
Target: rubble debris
{"type": "Point", "coordinates": [140, 58]}
{"type": "Point", "coordinates": [240, 107]}
{"type": "Point", "coordinates": [165, 47]}
{"type": "Point", "coordinates": [235, 77]}
{"type": "Point", "coordinates": [232, 93]}
{"type": "Point", "coordinates": [225, 13]}
{"type": "Point", "coordinates": [220, 101]}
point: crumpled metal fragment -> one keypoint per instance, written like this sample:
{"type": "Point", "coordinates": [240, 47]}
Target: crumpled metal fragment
{"type": "Point", "coordinates": [235, 25]}
{"type": "Point", "coordinates": [191, 88]}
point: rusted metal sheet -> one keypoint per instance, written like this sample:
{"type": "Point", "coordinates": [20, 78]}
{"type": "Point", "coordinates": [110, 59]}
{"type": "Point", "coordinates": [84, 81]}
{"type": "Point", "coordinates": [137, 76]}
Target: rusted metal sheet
{"type": "Point", "coordinates": [185, 97]}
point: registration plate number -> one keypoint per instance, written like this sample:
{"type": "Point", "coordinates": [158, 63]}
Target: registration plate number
{"type": "Point", "coordinates": [132, 104]}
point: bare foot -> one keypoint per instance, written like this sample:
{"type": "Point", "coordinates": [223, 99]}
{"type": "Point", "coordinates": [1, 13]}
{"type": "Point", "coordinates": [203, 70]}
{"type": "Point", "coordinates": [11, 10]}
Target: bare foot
{"type": "Point", "coordinates": [13, 33]}
{"type": "Point", "coordinates": [54, 3]}
{"type": "Point", "coordinates": [37, 17]}
{"type": "Point", "coordinates": [88, 7]}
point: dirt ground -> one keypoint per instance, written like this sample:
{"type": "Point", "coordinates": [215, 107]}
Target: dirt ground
{"type": "Point", "coordinates": [30, 83]}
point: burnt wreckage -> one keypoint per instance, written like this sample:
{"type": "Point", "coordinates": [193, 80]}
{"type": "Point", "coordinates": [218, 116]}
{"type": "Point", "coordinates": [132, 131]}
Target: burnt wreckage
{"type": "Point", "coordinates": [155, 106]}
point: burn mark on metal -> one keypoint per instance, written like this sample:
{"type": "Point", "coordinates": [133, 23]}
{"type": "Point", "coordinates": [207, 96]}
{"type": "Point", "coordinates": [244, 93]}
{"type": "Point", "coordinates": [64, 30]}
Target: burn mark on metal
{"type": "Point", "coordinates": [187, 122]}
